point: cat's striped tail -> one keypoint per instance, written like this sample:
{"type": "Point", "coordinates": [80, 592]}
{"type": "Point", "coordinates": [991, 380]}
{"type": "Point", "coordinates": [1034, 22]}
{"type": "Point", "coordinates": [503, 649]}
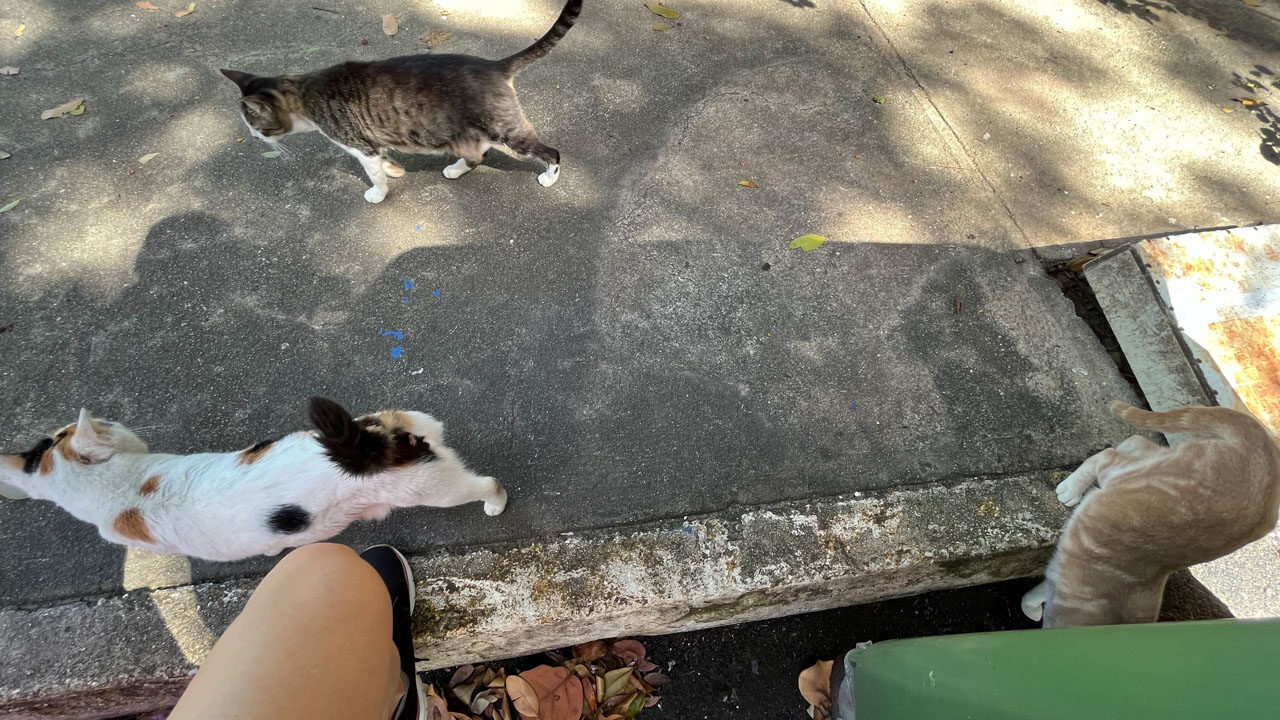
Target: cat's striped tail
{"type": "Point", "coordinates": [524, 58]}
{"type": "Point", "coordinates": [1214, 422]}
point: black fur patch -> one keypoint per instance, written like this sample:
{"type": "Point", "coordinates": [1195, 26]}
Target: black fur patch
{"type": "Point", "coordinates": [31, 458]}
{"type": "Point", "coordinates": [289, 519]}
{"type": "Point", "coordinates": [364, 446]}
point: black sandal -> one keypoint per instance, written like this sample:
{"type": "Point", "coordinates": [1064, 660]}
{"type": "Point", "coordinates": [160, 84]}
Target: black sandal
{"type": "Point", "coordinates": [398, 578]}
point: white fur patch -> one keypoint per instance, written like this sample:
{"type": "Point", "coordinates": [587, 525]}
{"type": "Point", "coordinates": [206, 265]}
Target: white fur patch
{"type": "Point", "coordinates": [549, 176]}
{"type": "Point", "coordinates": [458, 169]}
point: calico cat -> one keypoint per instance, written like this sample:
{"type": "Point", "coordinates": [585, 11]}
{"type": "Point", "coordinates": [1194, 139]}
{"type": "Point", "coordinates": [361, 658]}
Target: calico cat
{"type": "Point", "coordinates": [415, 103]}
{"type": "Point", "coordinates": [302, 488]}
{"type": "Point", "coordinates": [1157, 510]}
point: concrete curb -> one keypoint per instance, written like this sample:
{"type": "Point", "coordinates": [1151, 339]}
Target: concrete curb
{"type": "Point", "coordinates": [130, 653]}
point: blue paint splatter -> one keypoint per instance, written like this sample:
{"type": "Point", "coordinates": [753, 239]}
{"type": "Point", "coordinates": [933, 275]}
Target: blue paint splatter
{"type": "Point", "coordinates": [397, 351]}
{"type": "Point", "coordinates": [408, 284]}
{"type": "Point", "coordinates": [393, 333]}
{"type": "Point", "coordinates": [853, 406]}
{"type": "Point", "coordinates": [418, 228]}
{"type": "Point", "coordinates": [435, 293]}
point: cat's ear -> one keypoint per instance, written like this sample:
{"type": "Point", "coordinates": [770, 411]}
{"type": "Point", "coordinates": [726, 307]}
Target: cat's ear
{"type": "Point", "coordinates": [241, 79]}
{"type": "Point", "coordinates": [88, 441]}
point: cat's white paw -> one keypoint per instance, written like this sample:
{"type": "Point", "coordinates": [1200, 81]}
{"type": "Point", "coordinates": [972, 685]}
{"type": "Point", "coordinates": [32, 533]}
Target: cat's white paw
{"type": "Point", "coordinates": [1034, 610]}
{"type": "Point", "coordinates": [375, 194]}
{"type": "Point", "coordinates": [498, 504]}
{"type": "Point", "coordinates": [549, 176]}
{"type": "Point", "coordinates": [392, 169]}
{"type": "Point", "coordinates": [1033, 602]}
{"type": "Point", "coordinates": [1067, 493]}
{"type": "Point", "coordinates": [458, 169]}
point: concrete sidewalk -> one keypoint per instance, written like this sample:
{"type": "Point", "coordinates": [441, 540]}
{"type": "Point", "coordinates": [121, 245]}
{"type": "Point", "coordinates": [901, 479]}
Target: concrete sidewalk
{"type": "Point", "coordinates": [634, 345]}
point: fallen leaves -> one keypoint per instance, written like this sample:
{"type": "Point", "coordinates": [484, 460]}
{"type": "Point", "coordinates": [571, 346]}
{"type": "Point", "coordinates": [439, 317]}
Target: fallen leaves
{"type": "Point", "coordinates": [191, 7]}
{"type": "Point", "coordinates": [602, 681]}
{"type": "Point", "coordinates": [1252, 3]}
{"type": "Point", "coordinates": [75, 107]}
{"type": "Point", "coordinates": [147, 158]}
{"type": "Point", "coordinates": [660, 27]}
{"type": "Point", "coordinates": [1248, 102]}
{"type": "Point", "coordinates": [20, 28]}
{"type": "Point", "coordinates": [815, 687]}
{"type": "Point", "coordinates": [389, 25]}
{"type": "Point", "coordinates": [746, 183]}
{"type": "Point", "coordinates": [271, 154]}
{"type": "Point", "coordinates": [436, 38]}
{"type": "Point", "coordinates": [8, 70]}
{"type": "Point", "coordinates": [10, 206]}
{"type": "Point", "coordinates": [878, 99]}
{"type": "Point", "coordinates": [666, 12]}
{"type": "Point", "coordinates": [4, 155]}
{"type": "Point", "coordinates": [807, 242]}
{"type": "Point", "coordinates": [145, 6]}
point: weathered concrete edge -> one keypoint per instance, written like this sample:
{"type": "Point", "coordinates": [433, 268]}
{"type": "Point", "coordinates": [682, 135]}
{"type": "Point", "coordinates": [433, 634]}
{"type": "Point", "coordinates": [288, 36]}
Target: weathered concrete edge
{"type": "Point", "coordinates": [121, 655]}
{"type": "Point", "coordinates": [748, 565]}
{"type": "Point", "coordinates": [1145, 333]}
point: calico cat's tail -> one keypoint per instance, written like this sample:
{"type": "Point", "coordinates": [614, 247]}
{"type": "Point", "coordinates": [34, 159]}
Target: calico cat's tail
{"type": "Point", "coordinates": [364, 446]}
{"type": "Point", "coordinates": [1214, 422]}
{"type": "Point", "coordinates": [524, 58]}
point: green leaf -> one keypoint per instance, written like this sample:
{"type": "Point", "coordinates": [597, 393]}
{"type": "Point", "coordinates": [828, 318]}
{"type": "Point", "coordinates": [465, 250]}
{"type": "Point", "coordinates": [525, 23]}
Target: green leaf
{"type": "Point", "coordinates": [807, 242]}
{"type": "Point", "coordinates": [10, 206]}
{"type": "Point", "coordinates": [665, 12]}
{"type": "Point", "coordinates": [78, 111]}
{"type": "Point", "coordinates": [878, 100]}
{"type": "Point", "coordinates": [661, 27]}
{"type": "Point", "coordinates": [4, 155]}
{"type": "Point", "coordinates": [271, 154]}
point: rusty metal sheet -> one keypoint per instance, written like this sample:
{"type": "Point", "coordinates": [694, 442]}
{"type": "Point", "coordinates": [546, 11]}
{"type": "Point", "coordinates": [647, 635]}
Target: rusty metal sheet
{"type": "Point", "coordinates": [1223, 291]}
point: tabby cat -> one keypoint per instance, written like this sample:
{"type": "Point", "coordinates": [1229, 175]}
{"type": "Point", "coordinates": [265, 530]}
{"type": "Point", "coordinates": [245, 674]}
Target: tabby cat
{"type": "Point", "coordinates": [413, 103]}
{"type": "Point", "coordinates": [1157, 510]}
{"type": "Point", "coordinates": [302, 488]}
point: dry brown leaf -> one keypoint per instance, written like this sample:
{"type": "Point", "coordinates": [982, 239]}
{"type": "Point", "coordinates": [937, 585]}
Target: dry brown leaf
{"type": "Point", "coordinates": [1227, 110]}
{"type": "Point", "coordinates": [589, 652]}
{"type": "Point", "coordinates": [436, 708]}
{"type": "Point", "coordinates": [616, 681]}
{"type": "Point", "coordinates": [1252, 3]}
{"type": "Point", "coordinates": [461, 675]}
{"type": "Point", "coordinates": [147, 158]}
{"type": "Point", "coordinates": [523, 697]}
{"type": "Point", "coordinates": [746, 183]}
{"type": "Point", "coordinates": [66, 107]}
{"type": "Point", "coordinates": [559, 692]}
{"type": "Point", "coordinates": [629, 650]}
{"type": "Point", "coordinates": [660, 27]}
{"type": "Point", "coordinates": [657, 679]}
{"type": "Point", "coordinates": [389, 25]}
{"type": "Point", "coordinates": [191, 7]}
{"type": "Point", "coordinates": [144, 5]}
{"type": "Point", "coordinates": [1248, 102]}
{"type": "Point", "coordinates": [815, 686]}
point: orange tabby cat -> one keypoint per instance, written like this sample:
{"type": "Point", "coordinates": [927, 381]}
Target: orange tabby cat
{"type": "Point", "coordinates": [1158, 510]}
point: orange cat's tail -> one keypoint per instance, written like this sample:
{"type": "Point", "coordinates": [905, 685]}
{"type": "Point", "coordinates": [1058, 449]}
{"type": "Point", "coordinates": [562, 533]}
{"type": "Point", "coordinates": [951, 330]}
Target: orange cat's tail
{"type": "Point", "coordinates": [1214, 422]}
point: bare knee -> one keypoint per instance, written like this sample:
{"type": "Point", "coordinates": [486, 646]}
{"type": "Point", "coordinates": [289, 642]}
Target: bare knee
{"type": "Point", "coordinates": [327, 577]}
